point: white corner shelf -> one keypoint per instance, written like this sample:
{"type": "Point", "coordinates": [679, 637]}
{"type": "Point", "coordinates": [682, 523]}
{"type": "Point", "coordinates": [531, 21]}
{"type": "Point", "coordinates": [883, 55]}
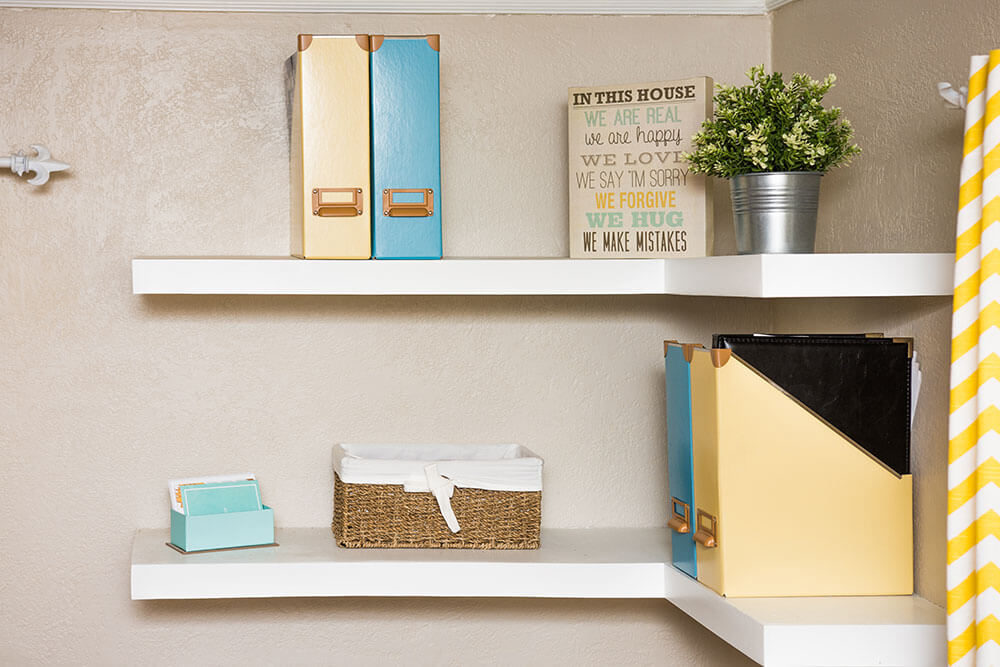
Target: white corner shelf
{"type": "Point", "coordinates": [899, 630]}
{"type": "Point", "coordinates": [813, 275]}
{"type": "Point", "coordinates": [572, 563]}
{"type": "Point", "coordinates": [756, 276]}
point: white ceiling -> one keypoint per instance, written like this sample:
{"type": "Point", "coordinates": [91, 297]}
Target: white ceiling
{"type": "Point", "coordinates": [425, 6]}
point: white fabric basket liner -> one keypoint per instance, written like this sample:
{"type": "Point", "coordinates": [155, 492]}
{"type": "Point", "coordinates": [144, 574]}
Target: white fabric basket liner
{"type": "Point", "coordinates": [490, 467]}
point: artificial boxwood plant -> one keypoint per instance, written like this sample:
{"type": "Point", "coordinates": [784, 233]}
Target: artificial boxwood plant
{"type": "Point", "coordinates": [770, 125]}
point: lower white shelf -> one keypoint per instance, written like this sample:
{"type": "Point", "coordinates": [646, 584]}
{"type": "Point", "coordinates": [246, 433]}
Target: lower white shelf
{"type": "Point", "coordinates": [591, 563]}
{"type": "Point", "coordinates": [616, 563]}
{"type": "Point", "coordinates": [898, 630]}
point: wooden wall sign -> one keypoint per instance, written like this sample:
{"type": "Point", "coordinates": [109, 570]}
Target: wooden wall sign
{"type": "Point", "coordinates": [631, 193]}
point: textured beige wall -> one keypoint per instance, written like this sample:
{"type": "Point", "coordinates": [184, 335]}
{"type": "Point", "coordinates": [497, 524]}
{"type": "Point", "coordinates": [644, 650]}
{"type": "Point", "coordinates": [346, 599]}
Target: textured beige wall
{"type": "Point", "coordinates": [900, 195]}
{"type": "Point", "coordinates": [175, 127]}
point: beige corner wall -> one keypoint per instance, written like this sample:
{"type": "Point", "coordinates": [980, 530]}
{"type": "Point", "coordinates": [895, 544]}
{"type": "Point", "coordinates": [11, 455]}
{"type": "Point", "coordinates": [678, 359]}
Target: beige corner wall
{"type": "Point", "coordinates": [175, 127]}
{"type": "Point", "coordinates": [900, 195]}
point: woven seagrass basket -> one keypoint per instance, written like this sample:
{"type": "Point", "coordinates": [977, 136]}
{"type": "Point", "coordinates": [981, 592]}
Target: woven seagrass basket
{"type": "Point", "coordinates": [386, 516]}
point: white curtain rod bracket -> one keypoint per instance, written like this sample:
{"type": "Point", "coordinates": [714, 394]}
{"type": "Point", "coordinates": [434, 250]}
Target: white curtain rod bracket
{"type": "Point", "coordinates": [954, 97]}
{"type": "Point", "coordinates": [41, 163]}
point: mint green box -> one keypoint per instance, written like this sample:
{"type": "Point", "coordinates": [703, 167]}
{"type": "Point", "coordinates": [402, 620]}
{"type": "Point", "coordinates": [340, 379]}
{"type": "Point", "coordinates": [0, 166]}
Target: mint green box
{"type": "Point", "coordinates": [222, 531]}
{"type": "Point", "coordinates": [224, 515]}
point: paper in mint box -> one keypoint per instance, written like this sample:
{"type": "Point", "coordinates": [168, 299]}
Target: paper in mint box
{"type": "Point", "coordinates": [631, 194]}
{"type": "Point", "coordinates": [221, 515]}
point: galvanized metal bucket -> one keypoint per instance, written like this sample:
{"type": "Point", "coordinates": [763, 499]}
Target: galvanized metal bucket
{"type": "Point", "coordinates": [775, 212]}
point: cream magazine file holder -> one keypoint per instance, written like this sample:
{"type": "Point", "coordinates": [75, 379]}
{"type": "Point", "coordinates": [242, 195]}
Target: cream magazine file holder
{"type": "Point", "coordinates": [438, 469]}
{"type": "Point", "coordinates": [784, 503]}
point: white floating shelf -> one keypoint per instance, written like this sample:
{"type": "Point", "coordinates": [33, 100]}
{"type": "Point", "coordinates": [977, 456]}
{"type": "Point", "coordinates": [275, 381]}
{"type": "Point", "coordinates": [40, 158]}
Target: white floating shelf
{"type": "Point", "coordinates": [614, 563]}
{"type": "Point", "coordinates": [899, 630]}
{"type": "Point", "coordinates": [288, 275]}
{"type": "Point", "coordinates": [761, 276]}
{"type": "Point", "coordinates": [591, 563]}
{"type": "Point", "coordinates": [813, 275]}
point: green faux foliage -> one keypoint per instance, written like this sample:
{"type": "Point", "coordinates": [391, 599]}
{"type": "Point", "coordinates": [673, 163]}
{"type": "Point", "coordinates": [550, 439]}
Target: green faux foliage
{"type": "Point", "coordinates": [770, 125]}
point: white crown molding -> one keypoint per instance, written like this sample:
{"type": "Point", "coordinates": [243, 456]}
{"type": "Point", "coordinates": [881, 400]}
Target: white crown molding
{"type": "Point", "coordinates": [771, 5]}
{"type": "Point", "coordinates": [726, 7]}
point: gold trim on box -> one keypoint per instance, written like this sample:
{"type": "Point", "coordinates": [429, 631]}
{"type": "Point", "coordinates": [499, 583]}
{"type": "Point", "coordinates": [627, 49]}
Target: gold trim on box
{"type": "Point", "coordinates": [688, 350]}
{"type": "Point", "coordinates": [205, 551]}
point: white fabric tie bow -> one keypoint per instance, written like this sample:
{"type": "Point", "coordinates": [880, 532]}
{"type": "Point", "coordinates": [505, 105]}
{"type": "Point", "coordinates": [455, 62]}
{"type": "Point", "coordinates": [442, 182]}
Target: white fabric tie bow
{"type": "Point", "coordinates": [443, 489]}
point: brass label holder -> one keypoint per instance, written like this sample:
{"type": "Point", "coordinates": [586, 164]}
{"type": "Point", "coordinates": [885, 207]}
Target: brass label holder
{"type": "Point", "coordinates": [399, 209]}
{"type": "Point", "coordinates": [337, 202]}
{"type": "Point", "coordinates": [680, 521]}
{"type": "Point", "coordinates": [706, 525]}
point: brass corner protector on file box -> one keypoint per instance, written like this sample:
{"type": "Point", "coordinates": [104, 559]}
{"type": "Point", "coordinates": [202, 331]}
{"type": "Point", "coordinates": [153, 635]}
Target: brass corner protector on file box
{"type": "Point", "coordinates": [688, 350]}
{"type": "Point", "coordinates": [720, 357]}
{"type": "Point", "coordinates": [909, 345]}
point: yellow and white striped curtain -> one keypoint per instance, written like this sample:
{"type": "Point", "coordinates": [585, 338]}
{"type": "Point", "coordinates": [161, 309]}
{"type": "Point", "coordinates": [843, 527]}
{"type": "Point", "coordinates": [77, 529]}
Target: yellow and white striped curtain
{"type": "Point", "coordinates": [973, 577]}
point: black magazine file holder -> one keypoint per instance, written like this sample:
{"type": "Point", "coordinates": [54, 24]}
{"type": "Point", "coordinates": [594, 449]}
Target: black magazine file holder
{"type": "Point", "coordinates": [859, 384]}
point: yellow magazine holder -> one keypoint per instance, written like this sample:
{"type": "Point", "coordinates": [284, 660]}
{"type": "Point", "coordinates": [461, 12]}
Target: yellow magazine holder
{"type": "Point", "coordinates": [785, 505]}
{"type": "Point", "coordinates": [330, 154]}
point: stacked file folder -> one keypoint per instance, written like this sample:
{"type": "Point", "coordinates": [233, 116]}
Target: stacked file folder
{"type": "Point", "coordinates": [365, 149]}
{"type": "Point", "coordinates": [789, 464]}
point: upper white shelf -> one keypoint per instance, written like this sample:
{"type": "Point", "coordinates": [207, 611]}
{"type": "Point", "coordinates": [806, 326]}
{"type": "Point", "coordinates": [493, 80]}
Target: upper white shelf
{"type": "Point", "coordinates": [585, 563]}
{"type": "Point", "coordinates": [760, 276]}
{"type": "Point", "coordinates": [813, 275]}
{"type": "Point", "coordinates": [287, 275]}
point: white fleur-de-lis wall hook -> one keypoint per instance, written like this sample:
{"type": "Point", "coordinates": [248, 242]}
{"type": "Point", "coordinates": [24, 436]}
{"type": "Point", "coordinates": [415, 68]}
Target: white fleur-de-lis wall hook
{"type": "Point", "coordinates": [41, 163]}
{"type": "Point", "coordinates": [954, 96]}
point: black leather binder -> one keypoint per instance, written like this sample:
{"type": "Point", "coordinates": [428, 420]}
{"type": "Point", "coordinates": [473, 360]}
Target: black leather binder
{"type": "Point", "coordinates": [859, 384]}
